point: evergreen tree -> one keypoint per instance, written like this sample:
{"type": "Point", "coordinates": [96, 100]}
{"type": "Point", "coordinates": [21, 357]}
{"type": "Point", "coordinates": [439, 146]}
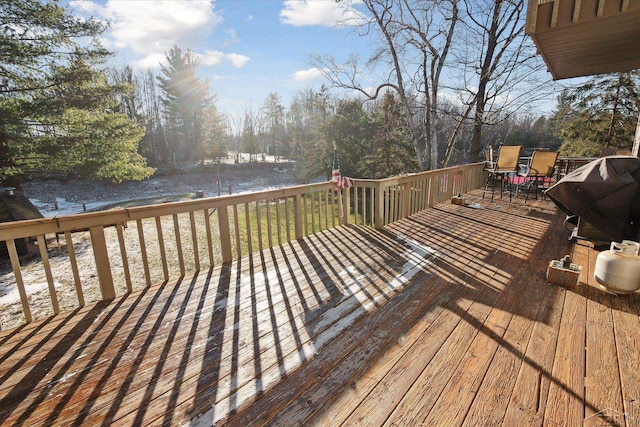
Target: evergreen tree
{"type": "Point", "coordinates": [603, 115]}
{"type": "Point", "coordinates": [274, 120]}
{"type": "Point", "coordinates": [216, 146]}
{"type": "Point", "coordinates": [57, 108]}
{"type": "Point", "coordinates": [184, 99]}
{"type": "Point", "coordinates": [351, 131]}
{"type": "Point", "coordinates": [306, 122]}
{"type": "Point", "coordinates": [392, 151]}
{"type": "Point", "coordinates": [249, 137]}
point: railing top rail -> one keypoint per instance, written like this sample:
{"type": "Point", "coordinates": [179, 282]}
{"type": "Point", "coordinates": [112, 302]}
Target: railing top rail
{"type": "Point", "coordinates": [83, 221]}
{"type": "Point", "coordinates": [412, 176]}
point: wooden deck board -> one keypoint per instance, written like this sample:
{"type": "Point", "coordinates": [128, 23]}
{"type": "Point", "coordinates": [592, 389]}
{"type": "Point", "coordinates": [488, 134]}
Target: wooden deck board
{"type": "Point", "coordinates": [491, 402]}
{"type": "Point", "coordinates": [441, 318]}
{"type": "Point", "coordinates": [393, 381]}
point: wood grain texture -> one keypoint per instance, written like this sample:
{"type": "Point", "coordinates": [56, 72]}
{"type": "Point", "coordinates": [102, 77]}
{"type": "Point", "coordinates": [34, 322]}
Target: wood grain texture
{"type": "Point", "coordinates": [443, 317]}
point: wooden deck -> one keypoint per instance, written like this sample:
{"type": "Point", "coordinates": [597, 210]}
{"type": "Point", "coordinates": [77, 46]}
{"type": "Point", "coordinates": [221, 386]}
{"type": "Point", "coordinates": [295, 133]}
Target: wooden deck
{"type": "Point", "coordinates": [443, 318]}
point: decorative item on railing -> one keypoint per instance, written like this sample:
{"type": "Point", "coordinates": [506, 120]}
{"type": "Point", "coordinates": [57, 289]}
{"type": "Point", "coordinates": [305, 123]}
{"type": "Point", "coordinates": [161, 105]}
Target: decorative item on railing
{"type": "Point", "coordinates": [340, 181]}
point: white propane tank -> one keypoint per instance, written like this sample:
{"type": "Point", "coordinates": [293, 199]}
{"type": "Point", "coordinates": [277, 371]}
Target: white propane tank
{"type": "Point", "coordinates": [618, 269]}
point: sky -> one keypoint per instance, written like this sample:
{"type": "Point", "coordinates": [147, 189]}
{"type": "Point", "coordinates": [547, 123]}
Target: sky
{"type": "Point", "coordinates": [247, 48]}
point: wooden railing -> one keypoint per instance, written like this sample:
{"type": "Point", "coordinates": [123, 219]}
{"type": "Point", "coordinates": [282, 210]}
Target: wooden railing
{"type": "Point", "coordinates": [408, 194]}
{"type": "Point", "coordinates": [98, 256]}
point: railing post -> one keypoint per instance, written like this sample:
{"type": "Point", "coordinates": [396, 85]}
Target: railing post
{"type": "Point", "coordinates": [379, 205]}
{"type": "Point", "coordinates": [225, 234]}
{"type": "Point", "coordinates": [346, 203]}
{"type": "Point", "coordinates": [297, 216]}
{"type": "Point", "coordinates": [101, 255]}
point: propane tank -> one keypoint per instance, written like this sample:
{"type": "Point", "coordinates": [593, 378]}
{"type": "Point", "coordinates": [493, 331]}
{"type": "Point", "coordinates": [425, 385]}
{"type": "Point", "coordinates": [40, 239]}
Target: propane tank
{"type": "Point", "coordinates": [618, 269]}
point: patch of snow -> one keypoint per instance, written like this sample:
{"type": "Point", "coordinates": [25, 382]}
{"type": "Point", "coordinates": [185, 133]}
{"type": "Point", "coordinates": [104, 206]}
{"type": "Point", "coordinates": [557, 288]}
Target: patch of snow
{"type": "Point", "coordinates": [417, 257]}
{"type": "Point", "coordinates": [9, 293]}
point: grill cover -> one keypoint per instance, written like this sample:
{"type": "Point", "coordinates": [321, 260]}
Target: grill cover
{"type": "Point", "coordinates": [605, 193]}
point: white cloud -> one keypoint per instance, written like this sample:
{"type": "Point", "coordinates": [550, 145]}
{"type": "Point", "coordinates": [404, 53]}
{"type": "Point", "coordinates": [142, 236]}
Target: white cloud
{"type": "Point", "coordinates": [232, 37]}
{"type": "Point", "coordinates": [319, 12]}
{"type": "Point", "coordinates": [237, 60]}
{"type": "Point", "coordinates": [150, 28]}
{"type": "Point", "coordinates": [150, 61]}
{"type": "Point", "coordinates": [87, 6]}
{"type": "Point", "coordinates": [153, 26]}
{"type": "Point", "coordinates": [219, 77]}
{"type": "Point", "coordinates": [211, 57]}
{"type": "Point", "coordinates": [308, 74]}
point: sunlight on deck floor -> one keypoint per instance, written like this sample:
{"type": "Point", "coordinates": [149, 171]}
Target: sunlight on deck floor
{"type": "Point", "coordinates": [441, 318]}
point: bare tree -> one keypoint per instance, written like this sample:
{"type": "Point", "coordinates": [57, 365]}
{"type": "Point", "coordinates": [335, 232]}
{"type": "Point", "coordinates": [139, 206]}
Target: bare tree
{"type": "Point", "coordinates": [499, 71]}
{"type": "Point", "coordinates": [414, 38]}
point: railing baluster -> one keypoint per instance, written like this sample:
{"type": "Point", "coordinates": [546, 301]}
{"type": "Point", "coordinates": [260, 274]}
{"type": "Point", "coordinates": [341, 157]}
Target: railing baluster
{"type": "Point", "coordinates": [42, 245]}
{"type": "Point", "coordinates": [332, 196]}
{"type": "Point", "coordinates": [194, 238]}
{"type": "Point", "coordinates": [247, 218]}
{"type": "Point", "coordinates": [143, 252]}
{"type": "Point", "coordinates": [313, 214]}
{"type": "Point", "coordinates": [394, 204]}
{"type": "Point", "coordinates": [74, 268]}
{"type": "Point", "coordinates": [17, 273]}
{"type": "Point", "coordinates": [364, 207]}
{"type": "Point", "coordinates": [163, 253]}
{"type": "Point", "coordinates": [318, 207]}
{"type": "Point", "coordinates": [236, 228]}
{"type": "Point", "coordinates": [269, 225]}
{"type": "Point", "coordinates": [397, 194]}
{"type": "Point", "coordinates": [321, 211]}
{"type": "Point", "coordinates": [287, 218]}
{"type": "Point", "coordinates": [176, 229]}
{"type": "Point", "coordinates": [394, 201]}
{"type": "Point", "coordinates": [259, 223]}
{"type": "Point", "coordinates": [326, 209]}
{"type": "Point", "coordinates": [298, 218]}
{"type": "Point", "coordinates": [346, 200]}
{"type": "Point", "coordinates": [123, 255]}
{"type": "Point", "coordinates": [305, 198]}
{"type": "Point", "coordinates": [207, 226]}
{"type": "Point", "coordinates": [356, 189]}
{"type": "Point", "coordinates": [279, 225]}
{"type": "Point", "coordinates": [386, 196]}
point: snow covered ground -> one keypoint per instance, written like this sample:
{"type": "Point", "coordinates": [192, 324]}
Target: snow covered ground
{"type": "Point", "coordinates": [58, 198]}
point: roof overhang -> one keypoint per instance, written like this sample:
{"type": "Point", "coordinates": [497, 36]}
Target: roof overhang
{"type": "Point", "coordinates": [585, 37]}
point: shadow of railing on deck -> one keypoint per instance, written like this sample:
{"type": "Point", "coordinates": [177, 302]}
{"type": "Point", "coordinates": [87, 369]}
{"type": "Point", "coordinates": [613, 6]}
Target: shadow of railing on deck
{"type": "Point", "coordinates": [499, 275]}
{"type": "Point", "coordinates": [38, 373]}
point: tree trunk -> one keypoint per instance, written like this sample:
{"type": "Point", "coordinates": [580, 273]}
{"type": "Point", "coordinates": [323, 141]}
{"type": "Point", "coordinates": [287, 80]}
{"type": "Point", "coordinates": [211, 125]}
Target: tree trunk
{"type": "Point", "coordinates": [485, 77]}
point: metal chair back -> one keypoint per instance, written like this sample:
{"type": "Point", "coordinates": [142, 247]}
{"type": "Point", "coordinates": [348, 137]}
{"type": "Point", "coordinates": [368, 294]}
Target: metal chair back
{"type": "Point", "coordinates": [508, 158]}
{"type": "Point", "coordinates": [543, 163]}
